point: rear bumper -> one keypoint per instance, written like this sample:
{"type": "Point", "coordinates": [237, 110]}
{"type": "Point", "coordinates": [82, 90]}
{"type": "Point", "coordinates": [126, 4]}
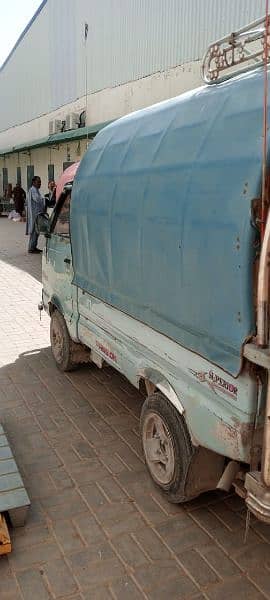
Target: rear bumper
{"type": "Point", "coordinates": [257, 496]}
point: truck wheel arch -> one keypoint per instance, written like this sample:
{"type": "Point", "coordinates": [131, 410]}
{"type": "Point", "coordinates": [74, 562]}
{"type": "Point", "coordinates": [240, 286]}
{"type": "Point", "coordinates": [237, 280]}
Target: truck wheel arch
{"type": "Point", "coordinates": [154, 380]}
{"type": "Point", "coordinates": [55, 304]}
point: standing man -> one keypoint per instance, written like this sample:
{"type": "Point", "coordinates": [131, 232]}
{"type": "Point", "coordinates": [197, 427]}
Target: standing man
{"type": "Point", "coordinates": [50, 199]}
{"type": "Point", "coordinates": [35, 206]}
{"type": "Point", "coordinates": [19, 196]}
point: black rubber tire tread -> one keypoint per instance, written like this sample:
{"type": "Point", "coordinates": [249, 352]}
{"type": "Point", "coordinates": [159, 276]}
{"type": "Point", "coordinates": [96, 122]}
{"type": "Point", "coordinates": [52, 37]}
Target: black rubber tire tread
{"type": "Point", "coordinates": [183, 448]}
{"type": "Point", "coordinates": [66, 364]}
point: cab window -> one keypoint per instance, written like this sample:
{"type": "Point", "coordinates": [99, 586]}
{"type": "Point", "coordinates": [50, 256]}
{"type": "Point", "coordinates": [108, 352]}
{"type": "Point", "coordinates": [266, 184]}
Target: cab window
{"type": "Point", "coordinates": [62, 224]}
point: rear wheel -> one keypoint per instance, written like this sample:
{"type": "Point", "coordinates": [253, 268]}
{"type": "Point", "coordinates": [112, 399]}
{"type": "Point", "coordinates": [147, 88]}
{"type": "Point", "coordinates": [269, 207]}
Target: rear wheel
{"type": "Point", "coordinates": [61, 343]}
{"type": "Point", "coordinates": [167, 446]}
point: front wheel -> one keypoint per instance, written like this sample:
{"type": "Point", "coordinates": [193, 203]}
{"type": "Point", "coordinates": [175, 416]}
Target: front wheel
{"type": "Point", "coordinates": [167, 446]}
{"type": "Point", "coordinates": [61, 343]}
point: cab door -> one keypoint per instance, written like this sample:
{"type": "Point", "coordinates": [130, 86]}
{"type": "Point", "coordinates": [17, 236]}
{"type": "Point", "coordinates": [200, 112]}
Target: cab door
{"type": "Point", "coordinates": [57, 267]}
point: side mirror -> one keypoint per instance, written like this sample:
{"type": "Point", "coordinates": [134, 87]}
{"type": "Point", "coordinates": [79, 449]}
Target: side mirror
{"type": "Point", "coordinates": [42, 224]}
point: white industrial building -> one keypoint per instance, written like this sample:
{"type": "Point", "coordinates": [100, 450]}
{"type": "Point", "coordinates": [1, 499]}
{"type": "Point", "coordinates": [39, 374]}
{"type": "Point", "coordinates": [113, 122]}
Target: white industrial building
{"type": "Point", "coordinates": [61, 83]}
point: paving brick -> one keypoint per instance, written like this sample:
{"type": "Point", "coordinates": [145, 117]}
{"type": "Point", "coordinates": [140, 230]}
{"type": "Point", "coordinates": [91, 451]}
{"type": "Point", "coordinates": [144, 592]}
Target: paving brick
{"type": "Point", "coordinates": [151, 544]}
{"type": "Point", "coordinates": [238, 587]}
{"type": "Point", "coordinates": [76, 597]}
{"type": "Point", "coordinates": [87, 471]}
{"type": "Point", "coordinates": [35, 555]}
{"type": "Point", "coordinates": [65, 505]}
{"type": "Point", "coordinates": [133, 441]}
{"type": "Point", "coordinates": [233, 541]}
{"type": "Point", "coordinates": [46, 423]}
{"type": "Point", "coordinates": [131, 460]}
{"type": "Point", "coordinates": [219, 561]}
{"type": "Point", "coordinates": [68, 536]}
{"type": "Point", "coordinates": [124, 589]}
{"type": "Point", "coordinates": [96, 566]}
{"type": "Point", "coordinates": [198, 568]}
{"type": "Point", "coordinates": [151, 576]}
{"type": "Point", "coordinates": [206, 519]}
{"type": "Point", "coordinates": [97, 593]}
{"type": "Point", "coordinates": [227, 516]}
{"type": "Point", "coordinates": [168, 507]}
{"type": "Point", "coordinates": [60, 478]}
{"type": "Point", "coordinates": [255, 557]}
{"type": "Point", "coordinates": [112, 490]}
{"type": "Point", "coordinates": [119, 457]}
{"type": "Point", "coordinates": [261, 577]}
{"type": "Point", "coordinates": [23, 537]}
{"type": "Point", "coordinates": [119, 518]}
{"type": "Point", "coordinates": [5, 568]}
{"type": "Point", "coordinates": [178, 588]}
{"type": "Point", "coordinates": [65, 450]}
{"type": "Point", "coordinates": [151, 510]}
{"type": "Point", "coordinates": [118, 446]}
{"type": "Point", "coordinates": [59, 578]}
{"type": "Point", "coordinates": [129, 550]}
{"type": "Point", "coordinates": [122, 422]}
{"type": "Point", "coordinates": [105, 407]}
{"type": "Point", "coordinates": [136, 483]}
{"type": "Point", "coordinates": [93, 496]}
{"type": "Point", "coordinates": [89, 529]}
{"type": "Point", "coordinates": [36, 514]}
{"type": "Point", "coordinates": [172, 526]}
{"type": "Point", "coordinates": [41, 463]}
{"type": "Point", "coordinates": [32, 585]}
{"type": "Point", "coordinates": [8, 588]}
{"type": "Point", "coordinates": [188, 537]}
{"type": "Point", "coordinates": [83, 449]}
{"type": "Point", "coordinates": [207, 499]}
{"type": "Point", "coordinates": [262, 529]}
{"type": "Point", "coordinates": [40, 486]}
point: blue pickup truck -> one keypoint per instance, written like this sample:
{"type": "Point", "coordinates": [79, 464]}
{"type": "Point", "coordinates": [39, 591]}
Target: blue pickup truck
{"type": "Point", "coordinates": [153, 263]}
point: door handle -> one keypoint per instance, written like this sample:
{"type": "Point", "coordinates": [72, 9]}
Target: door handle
{"type": "Point", "coordinates": [67, 260]}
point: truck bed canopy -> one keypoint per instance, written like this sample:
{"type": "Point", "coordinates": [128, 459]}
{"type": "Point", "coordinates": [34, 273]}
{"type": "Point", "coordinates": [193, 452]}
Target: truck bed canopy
{"type": "Point", "coordinates": [161, 216]}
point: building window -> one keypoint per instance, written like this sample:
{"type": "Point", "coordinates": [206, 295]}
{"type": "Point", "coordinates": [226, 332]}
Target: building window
{"type": "Point", "coordinates": [67, 164]}
{"type": "Point", "coordinates": [5, 178]}
{"type": "Point", "coordinates": [50, 173]}
{"type": "Point", "coordinates": [30, 175]}
{"type": "Point", "coordinates": [19, 176]}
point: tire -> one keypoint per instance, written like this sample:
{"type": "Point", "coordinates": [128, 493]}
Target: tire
{"type": "Point", "coordinates": [164, 435]}
{"type": "Point", "coordinates": [61, 343]}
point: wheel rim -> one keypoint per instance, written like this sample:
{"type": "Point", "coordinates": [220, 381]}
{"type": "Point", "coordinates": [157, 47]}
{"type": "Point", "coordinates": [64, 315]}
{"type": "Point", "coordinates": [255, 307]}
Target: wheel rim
{"type": "Point", "coordinates": [57, 342]}
{"type": "Point", "coordinates": [158, 448]}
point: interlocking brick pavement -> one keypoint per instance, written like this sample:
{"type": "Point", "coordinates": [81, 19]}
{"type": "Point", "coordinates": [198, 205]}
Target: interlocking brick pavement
{"type": "Point", "coordinates": [98, 529]}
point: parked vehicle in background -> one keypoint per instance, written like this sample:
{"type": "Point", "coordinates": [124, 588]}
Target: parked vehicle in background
{"type": "Point", "coordinates": [156, 274]}
{"type": "Point", "coordinates": [66, 177]}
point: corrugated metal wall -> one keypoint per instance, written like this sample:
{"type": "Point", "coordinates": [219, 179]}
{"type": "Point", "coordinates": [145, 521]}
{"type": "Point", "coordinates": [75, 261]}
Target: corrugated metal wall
{"type": "Point", "coordinates": [127, 40]}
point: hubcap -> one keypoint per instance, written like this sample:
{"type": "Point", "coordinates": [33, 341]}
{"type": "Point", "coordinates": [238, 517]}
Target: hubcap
{"type": "Point", "coordinates": [158, 448]}
{"type": "Point", "coordinates": [57, 342]}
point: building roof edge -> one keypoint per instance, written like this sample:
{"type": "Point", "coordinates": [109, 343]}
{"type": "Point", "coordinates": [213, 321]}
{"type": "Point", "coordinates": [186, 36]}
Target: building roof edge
{"type": "Point", "coordinates": [20, 38]}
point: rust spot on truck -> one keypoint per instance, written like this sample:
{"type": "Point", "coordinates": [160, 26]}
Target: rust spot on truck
{"type": "Point", "coordinates": [237, 437]}
{"type": "Point", "coordinates": [246, 431]}
{"type": "Point", "coordinates": [229, 436]}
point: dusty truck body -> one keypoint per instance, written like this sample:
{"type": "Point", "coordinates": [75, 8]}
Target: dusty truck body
{"type": "Point", "coordinates": [155, 273]}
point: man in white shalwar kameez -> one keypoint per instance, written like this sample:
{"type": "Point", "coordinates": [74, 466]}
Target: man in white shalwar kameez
{"type": "Point", "coordinates": [35, 206]}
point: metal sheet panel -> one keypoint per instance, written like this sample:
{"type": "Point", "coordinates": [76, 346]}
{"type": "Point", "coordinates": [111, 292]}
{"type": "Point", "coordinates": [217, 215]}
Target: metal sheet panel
{"type": "Point", "coordinates": [25, 78]}
{"type": "Point", "coordinates": [130, 39]}
{"type": "Point", "coordinates": [160, 218]}
{"type": "Point", "coordinates": [127, 40]}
